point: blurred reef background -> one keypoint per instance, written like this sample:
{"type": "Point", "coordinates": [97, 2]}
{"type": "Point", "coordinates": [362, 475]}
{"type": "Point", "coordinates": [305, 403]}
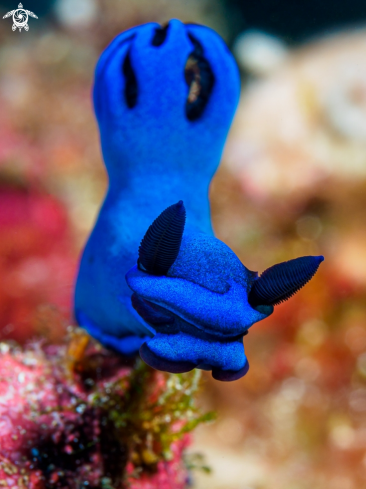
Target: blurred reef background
{"type": "Point", "coordinates": [292, 182]}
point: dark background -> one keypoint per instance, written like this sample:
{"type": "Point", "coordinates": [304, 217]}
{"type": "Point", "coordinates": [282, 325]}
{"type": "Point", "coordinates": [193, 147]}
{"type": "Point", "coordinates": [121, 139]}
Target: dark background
{"type": "Point", "coordinates": [293, 20]}
{"type": "Point", "coordinates": [297, 20]}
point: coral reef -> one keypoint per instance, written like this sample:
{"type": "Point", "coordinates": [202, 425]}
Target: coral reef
{"type": "Point", "coordinates": [77, 415]}
{"type": "Point", "coordinates": [288, 186]}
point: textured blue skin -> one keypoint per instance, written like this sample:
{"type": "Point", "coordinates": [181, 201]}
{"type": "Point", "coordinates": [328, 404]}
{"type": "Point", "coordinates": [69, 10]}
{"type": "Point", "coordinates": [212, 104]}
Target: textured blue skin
{"type": "Point", "coordinates": [196, 315]}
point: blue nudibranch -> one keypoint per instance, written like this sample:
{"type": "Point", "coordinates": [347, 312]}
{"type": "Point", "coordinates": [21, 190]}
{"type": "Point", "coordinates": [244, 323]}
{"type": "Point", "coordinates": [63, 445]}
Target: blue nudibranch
{"type": "Point", "coordinates": [152, 276]}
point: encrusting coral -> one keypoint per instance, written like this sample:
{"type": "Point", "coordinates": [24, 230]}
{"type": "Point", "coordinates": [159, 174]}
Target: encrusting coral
{"type": "Point", "coordinates": [76, 415]}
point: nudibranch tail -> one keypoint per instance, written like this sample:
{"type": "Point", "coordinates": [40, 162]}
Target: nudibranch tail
{"type": "Point", "coordinates": [160, 246]}
{"type": "Point", "coordinates": [280, 282]}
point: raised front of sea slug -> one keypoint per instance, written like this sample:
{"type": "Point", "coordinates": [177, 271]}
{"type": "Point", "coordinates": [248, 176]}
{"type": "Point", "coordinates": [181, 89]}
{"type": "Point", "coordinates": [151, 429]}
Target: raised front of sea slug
{"type": "Point", "coordinates": [152, 277]}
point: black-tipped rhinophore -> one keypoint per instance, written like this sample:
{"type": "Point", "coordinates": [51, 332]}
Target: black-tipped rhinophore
{"type": "Point", "coordinates": [159, 247]}
{"type": "Point", "coordinates": [280, 282]}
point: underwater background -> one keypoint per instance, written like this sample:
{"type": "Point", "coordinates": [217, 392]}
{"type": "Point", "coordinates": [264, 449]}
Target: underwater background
{"type": "Point", "coordinates": [292, 182]}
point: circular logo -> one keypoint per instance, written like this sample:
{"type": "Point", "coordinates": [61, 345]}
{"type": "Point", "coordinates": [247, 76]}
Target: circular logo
{"type": "Point", "coordinates": [20, 18]}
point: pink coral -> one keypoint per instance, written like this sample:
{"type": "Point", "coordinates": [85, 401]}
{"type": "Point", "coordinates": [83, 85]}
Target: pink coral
{"type": "Point", "coordinates": [60, 424]}
{"type": "Point", "coordinates": [37, 263]}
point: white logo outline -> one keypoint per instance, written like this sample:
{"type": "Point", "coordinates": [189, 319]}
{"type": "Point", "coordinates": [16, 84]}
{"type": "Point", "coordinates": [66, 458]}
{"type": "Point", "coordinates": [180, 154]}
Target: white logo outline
{"type": "Point", "coordinates": [20, 18]}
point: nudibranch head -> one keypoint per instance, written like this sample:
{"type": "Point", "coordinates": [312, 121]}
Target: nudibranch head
{"type": "Point", "coordinates": [207, 287]}
{"type": "Point", "coordinates": [205, 302]}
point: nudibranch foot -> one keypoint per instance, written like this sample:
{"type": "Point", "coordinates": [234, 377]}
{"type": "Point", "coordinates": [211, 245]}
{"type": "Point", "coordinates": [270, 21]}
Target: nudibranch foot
{"type": "Point", "coordinates": [127, 345]}
{"type": "Point", "coordinates": [230, 375]}
{"type": "Point", "coordinates": [181, 352]}
{"type": "Point", "coordinates": [159, 363]}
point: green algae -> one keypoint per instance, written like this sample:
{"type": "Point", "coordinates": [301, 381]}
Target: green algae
{"type": "Point", "coordinates": [155, 410]}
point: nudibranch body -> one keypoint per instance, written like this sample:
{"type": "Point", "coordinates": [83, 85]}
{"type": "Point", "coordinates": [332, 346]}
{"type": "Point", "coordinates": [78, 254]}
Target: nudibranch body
{"type": "Point", "coordinates": [164, 100]}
